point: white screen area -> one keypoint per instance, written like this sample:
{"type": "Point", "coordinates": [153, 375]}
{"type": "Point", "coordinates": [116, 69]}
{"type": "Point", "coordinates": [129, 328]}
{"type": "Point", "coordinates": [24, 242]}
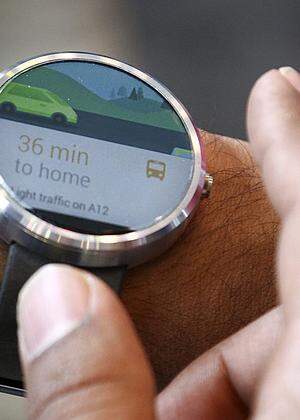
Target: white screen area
{"type": "Point", "coordinates": [91, 178]}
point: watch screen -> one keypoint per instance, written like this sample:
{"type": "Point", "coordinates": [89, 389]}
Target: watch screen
{"type": "Point", "coordinates": [92, 148]}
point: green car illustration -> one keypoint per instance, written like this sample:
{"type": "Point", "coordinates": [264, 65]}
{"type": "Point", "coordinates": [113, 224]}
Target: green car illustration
{"type": "Point", "coordinates": [37, 101]}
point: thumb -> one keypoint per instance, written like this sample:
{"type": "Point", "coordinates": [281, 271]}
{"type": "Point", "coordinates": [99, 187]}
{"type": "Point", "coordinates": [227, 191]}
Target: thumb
{"type": "Point", "coordinates": [80, 354]}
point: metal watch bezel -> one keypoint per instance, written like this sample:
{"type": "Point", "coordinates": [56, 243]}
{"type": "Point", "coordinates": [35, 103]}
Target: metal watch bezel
{"type": "Point", "coordinates": [18, 224]}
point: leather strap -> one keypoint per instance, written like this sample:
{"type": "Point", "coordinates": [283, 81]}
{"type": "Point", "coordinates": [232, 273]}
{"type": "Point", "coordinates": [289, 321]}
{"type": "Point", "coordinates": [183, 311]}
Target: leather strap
{"type": "Point", "coordinates": [21, 264]}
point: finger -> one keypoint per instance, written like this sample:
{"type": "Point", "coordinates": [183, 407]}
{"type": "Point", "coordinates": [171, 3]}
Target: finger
{"type": "Point", "coordinates": [273, 117]}
{"type": "Point", "coordinates": [274, 129]}
{"type": "Point", "coordinates": [80, 354]}
{"type": "Point", "coordinates": [221, 383]}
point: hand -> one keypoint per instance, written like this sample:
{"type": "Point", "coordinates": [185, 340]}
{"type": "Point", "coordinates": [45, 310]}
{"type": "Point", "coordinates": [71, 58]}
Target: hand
{"type": "Point", "coordinates": [82, 358]}
{"type": "Point", "coordinates": [244, 374]}
{"type": "Point", "coordinates": [191, 306]}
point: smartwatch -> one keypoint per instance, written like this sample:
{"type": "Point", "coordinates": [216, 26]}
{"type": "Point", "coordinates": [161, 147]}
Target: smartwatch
{"type": "Point", "coordinates": [101, 167]}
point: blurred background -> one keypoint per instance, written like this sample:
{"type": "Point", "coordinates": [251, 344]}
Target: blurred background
{"type": "Point", "coordinates": [208, 52]}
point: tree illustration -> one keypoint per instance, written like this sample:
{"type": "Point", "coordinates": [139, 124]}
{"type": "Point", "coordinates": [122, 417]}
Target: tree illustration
{"type": "Point", "coordinates": [140, 93]}
{"type": "Point", "coordinates": [113, 94]}
{"type": "Point", "coordinates": [133, 95]}
{"type": "Point", "coordinates": [122, 92]}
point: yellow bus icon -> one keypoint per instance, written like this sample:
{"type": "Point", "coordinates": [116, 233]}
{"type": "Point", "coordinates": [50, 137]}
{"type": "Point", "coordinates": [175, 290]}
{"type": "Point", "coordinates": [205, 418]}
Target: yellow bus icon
{"type": "Point", "coordinates": [156, 169]}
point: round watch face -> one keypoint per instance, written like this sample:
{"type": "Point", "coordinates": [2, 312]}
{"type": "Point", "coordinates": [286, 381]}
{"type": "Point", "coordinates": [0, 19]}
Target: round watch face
{"type": "Point", "coordinates": [92, 148]}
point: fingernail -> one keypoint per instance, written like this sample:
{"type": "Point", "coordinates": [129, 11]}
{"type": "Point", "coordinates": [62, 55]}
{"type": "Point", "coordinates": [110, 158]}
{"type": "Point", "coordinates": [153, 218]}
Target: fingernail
{"type": "Point", "coordinates": [291, 75]}
{"type": "Point", "coordinates": [52, 304]}
{"type": "Point", "coordinates": [287, 70]}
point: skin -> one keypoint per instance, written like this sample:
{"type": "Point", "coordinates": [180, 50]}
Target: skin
{"type": "Point", "coordinates": [254, 372]}
{"type": "Point", "coordinates": [219, 276]}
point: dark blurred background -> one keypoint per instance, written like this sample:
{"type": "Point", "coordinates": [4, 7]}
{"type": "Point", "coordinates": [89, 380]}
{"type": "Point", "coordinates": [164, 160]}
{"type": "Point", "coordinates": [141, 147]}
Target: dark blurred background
{"type": "Point", "coordinates": [209, 52]}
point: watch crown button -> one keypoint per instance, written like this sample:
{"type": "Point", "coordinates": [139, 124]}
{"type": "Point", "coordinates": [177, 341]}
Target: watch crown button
{"type": "Point", "coordinates": [208, 182]}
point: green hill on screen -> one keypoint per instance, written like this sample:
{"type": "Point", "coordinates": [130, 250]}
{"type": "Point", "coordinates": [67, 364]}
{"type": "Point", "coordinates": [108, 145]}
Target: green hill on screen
{"type": "Point", "coordinates": [145, 111]}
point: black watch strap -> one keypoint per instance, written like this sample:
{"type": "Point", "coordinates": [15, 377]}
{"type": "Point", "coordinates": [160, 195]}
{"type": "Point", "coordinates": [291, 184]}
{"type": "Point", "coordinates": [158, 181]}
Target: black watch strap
{"type": "Point", "coordinates": [21, 264]}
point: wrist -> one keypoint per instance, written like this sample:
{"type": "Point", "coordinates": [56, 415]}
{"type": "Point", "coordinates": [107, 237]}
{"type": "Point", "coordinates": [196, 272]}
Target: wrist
{"type": "Point", "coordinates": [219, 275]}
